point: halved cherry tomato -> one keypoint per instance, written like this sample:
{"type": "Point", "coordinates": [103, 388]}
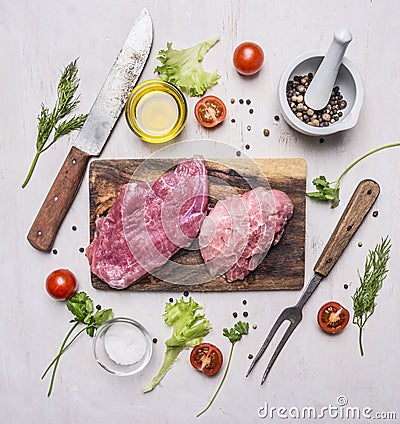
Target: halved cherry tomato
{"type": "Point", "coordinates": [248, 58]}
{"type": "Point", "coordinates": [61, 284]}
{"type": "Point", "coordinates": [210, 111]}
{"type": "Point", "coordinates": [206, 358]}
{"type": "Point", "coordinates": [332, 317]}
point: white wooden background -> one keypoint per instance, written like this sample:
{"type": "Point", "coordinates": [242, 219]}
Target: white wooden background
{"type": "Point", "coordinates": [38, 38]}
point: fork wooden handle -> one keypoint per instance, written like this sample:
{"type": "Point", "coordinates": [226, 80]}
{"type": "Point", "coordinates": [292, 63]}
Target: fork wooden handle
{"type": "Point", "coordinates": [359, 205]}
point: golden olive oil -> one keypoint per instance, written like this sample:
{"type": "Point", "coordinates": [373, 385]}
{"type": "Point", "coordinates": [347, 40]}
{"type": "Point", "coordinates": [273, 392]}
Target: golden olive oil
{"type": "Point", "coordinates": [156, 111]}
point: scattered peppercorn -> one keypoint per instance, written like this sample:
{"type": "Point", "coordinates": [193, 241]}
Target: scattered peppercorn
{"type": "Point", "coordinates": [359, 244]}
{"type": "Point", "coordinates": [321, 140]}
{"type": "Point", "coordinates": [98, 307]}
{"type": "Point", "coordinates": [250, 356]}
{"type": "Point", "coordinates": [247, 146]}
{"type": "Point", "coordinates": [245, 314]}
{"type": "Point", "coordinates": [238, 153]}
{"type": "Point", "coordinates": [251, 111]}
{"type": "Point", "coordinates": [55, 251]}
{"type": "Point", "coordinates": [155, 340]}
{"type": "Point", "coordinates": [232, 100]}
{"type": "Point", "coordinates": [254, 326]}
{"type": "Point", "coordinates": [186, 293]}
{"type": "Point", "coordinates": [73, 228]}
{"type": "Point", "coordinates": [235, 315]}
{"type": "Point", "coordinates": [171, 300]}
{"type": "Point", "coordinates": [244, 302]}
{"type": "Point", "coordinates": [266, 132]}
{"type": "Point", "coordinates": [248, 127]}
{"type": "Point", "coordinates": [248, 101]}
{"type": "Point", "coordinates": [241, 101]}
{"type": "Point", "coordinates": [375, 214]}
{"type": "Point", "coordinates": [346, 286]}
{"type": "Point", "coordinates": [81, 249]}
{"type": "Point", "coordinates": [276, 117]}
{"type": "Point", "coordinates": [233, 120]}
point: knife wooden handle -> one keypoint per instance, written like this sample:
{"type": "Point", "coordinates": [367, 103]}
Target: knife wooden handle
{"type": "Point", "coordinates": [62, 193]}
{"type": "Point", "coordinates": [359, 205]}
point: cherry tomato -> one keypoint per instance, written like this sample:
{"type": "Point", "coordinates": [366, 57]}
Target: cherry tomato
{"type": "Point", "coordinates": [210, 111]}
{"type": "Point", "coordinates": [332, 317]}
{"type": "Point", "coordinates": [248, 58]}
{"type": "Point", "coordinates": [61, 284]}
{"type": "Point", "coordinates": [206, 358]}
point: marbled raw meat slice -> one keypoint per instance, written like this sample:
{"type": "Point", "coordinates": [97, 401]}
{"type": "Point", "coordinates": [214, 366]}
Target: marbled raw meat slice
{"type": "Point", "coordinates": [239, 231]}
{"type": "Point", "coordinates": [149, 224]}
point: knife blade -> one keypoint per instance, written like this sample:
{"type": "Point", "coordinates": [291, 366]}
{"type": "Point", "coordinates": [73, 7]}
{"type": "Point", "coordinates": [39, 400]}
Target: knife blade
{"type": "Point", "coordinates": [95, 132]}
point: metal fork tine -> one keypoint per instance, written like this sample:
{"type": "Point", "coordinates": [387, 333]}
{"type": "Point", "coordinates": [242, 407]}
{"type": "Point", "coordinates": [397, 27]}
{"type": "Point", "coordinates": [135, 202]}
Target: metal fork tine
{"type": "Point", "coordinates": [267, 341]}
{"type": "Point", "coordinates": [278, 349]}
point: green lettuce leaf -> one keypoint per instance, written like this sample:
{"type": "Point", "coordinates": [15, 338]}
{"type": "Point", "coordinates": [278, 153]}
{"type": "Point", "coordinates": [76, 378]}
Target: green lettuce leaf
{"type": "Point", "coordinates": [184, 68]}
{"type": "Point", "coordinates": [188, 330]}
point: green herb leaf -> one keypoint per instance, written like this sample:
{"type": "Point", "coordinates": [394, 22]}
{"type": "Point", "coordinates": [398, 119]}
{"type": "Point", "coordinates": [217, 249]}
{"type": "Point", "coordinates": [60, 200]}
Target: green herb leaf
{"type": "Point", "coordinates": [184, 68]}
{"type": "Point", "coordinates": [99, 318]}
{"type": "Point", "coordinates": [65, 127]}
{"type": "Point", "coordinates": [235, 334]}
{"type": "Point", "coordinates": [375, 271]}
{"type": "Point", "coordinates": [326, 190]}
{"type": "Point", "coordinates": [47, 121]}
{"type": "Point", "coordinates": [81, 306]}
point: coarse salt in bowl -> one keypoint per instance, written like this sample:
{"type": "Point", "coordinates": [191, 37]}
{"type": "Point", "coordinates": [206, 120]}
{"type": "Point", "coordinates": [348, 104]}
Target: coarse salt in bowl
{"type": "Point", "coordinates": [122, 346]}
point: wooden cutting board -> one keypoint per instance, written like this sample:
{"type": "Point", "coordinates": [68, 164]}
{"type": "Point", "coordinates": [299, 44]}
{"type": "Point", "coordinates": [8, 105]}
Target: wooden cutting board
{"type": "Point", "coordinates": [281, 269]}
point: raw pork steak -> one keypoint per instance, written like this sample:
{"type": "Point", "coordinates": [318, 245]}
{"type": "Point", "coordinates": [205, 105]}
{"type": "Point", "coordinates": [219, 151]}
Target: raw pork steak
{"type": "Point", "coordinates": [148, 224]}
{"type": "Point", "coordinates": [239, 231]}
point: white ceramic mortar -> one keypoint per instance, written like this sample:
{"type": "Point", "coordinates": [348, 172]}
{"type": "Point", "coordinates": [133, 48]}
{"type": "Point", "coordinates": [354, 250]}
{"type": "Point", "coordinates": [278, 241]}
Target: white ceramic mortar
{"type": "Point", "coordinates": [351, 88]}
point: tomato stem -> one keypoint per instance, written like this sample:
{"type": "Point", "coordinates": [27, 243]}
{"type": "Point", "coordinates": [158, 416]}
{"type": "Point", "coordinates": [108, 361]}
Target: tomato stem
{"type": "Point", "coordinates": [220, 384]}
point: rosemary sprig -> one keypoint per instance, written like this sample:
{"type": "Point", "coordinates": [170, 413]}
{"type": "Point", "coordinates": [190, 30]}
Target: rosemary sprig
{"type": "Point", "coordinates": [329, 191]}
{"type": "Point", "coordinates": [50, 120]}
{"type": "Point", "coordinates": [375, 272]}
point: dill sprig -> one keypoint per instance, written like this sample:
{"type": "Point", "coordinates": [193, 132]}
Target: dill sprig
{"type": "Point", "coordinates": [50, 120]}
{"type": "Point", "coordinates": [375, 271]}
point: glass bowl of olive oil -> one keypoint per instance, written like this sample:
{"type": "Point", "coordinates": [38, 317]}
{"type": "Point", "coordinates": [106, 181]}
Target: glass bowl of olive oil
{"type": "Point", "coordinates": [156, 111]}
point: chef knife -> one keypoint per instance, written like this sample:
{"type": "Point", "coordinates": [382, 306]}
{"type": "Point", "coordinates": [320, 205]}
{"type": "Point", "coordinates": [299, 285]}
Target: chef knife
{"type": "Point", "coordinates": [94, 134]}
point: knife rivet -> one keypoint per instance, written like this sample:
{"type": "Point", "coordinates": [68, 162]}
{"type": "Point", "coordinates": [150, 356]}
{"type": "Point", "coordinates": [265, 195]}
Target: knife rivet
{"type": "Point", "coordinates": [39, 233]}
{"type": "Point", "coordinates": [349, 227]}
{"type": "Point", "coordinates": [73, 161]}
{"type": "Point", "coordinates": [55, 199]}
{"type": "Point", "coordinates": [369, 191]}
{"type": "Point", "coordinates": [329, 260]}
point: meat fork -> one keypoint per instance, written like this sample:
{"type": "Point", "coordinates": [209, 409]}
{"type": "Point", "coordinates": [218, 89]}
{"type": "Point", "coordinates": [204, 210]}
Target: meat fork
{"type": "Point", "coordinates": [359, 205]}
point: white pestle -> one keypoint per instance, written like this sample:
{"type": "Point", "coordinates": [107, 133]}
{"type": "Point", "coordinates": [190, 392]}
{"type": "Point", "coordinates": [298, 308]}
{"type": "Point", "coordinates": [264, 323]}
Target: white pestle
{"type": "Point", "coordinates": [319, 92]}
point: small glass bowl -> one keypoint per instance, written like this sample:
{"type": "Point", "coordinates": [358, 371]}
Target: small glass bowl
{"type": "Point", "coordinates": [168, 96]}
{"type": "Point", "coordinates": [122, 346]}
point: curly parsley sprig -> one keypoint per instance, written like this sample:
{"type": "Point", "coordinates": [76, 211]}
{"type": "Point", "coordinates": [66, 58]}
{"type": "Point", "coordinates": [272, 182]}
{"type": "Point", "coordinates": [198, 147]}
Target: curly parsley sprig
{"type": "Point", "coordinates": [54, 120]}
{"type": "Point", "coordinates": [375, 272]}
{"type": "Point", "coordinates": [234, 335]}
{"type": "Point", "coordinates": [329, 191]}
{"type": "Point", "coordinates": [81, 306]}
